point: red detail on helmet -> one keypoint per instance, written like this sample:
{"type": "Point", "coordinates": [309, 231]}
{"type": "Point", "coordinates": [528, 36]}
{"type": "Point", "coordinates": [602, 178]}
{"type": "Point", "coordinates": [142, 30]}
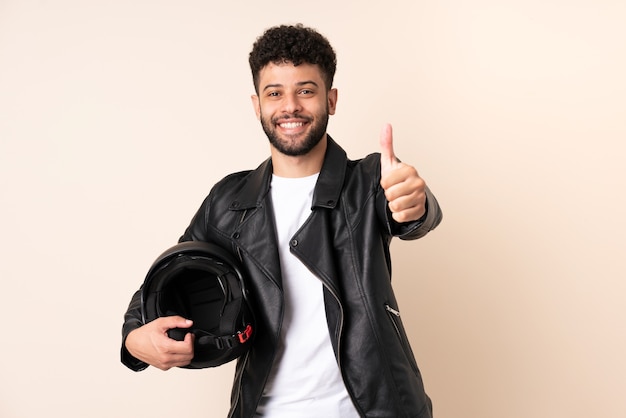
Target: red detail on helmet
{"type": "Point", "coordinates": [245, 334]}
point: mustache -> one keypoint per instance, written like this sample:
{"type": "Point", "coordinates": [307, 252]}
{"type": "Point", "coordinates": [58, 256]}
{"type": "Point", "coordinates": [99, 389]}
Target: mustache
{"type": "Point", "coordinates": [287, 117]}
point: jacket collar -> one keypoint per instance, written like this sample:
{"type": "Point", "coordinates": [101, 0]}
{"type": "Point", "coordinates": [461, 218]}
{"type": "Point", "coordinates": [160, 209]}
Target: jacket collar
{"type": "Point", "coordinates": [327, 188]}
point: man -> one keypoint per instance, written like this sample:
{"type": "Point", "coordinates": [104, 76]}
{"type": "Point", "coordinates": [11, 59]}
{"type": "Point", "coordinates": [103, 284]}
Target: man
{"type": "Point", "coordinates": [312, 230]}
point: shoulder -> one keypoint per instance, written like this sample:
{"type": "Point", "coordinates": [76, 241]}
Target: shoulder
{"type": "Point", "coordinates": [232, 179]}
{"type": "Point", "coordinates": [224, 191]}
{"type": "Point", "coordinates": [336, 157]}
{"type": "Point", "coordinates": [368, 166]}
{"type": "Point", "coordinates": [244, 188]}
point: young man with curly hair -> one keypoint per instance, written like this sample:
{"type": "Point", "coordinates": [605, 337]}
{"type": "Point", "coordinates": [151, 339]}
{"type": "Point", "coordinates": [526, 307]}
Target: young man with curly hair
{"type": "Point", "coordinates": [312, 230]}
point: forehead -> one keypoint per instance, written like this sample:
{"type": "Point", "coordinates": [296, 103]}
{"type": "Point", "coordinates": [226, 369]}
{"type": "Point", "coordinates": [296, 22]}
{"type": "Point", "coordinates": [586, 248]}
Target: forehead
{"type": "Point", "coordinates": [287, 74]}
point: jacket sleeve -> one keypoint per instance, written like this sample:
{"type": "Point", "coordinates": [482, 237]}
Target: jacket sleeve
{"type": "Point", "coordinates": [132, 321]}
{"type": "Point", "coordinates": [417, 229]}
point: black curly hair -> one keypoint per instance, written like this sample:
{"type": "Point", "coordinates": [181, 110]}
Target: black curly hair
{"type": "Point", "coordinates": [295, 44]}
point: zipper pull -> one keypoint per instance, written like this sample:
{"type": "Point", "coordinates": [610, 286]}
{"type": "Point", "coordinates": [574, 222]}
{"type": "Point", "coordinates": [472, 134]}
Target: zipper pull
{"type": "Point", "coordinates": [393, 311]}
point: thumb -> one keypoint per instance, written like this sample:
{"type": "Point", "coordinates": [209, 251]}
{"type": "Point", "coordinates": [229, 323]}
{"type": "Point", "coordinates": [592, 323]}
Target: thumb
{"type": "Point", "coordinates": [388, 160]}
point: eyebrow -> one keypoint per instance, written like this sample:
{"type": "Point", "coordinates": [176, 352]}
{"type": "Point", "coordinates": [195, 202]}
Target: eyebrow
{"type": "Point", "coordinates": [299, 84]}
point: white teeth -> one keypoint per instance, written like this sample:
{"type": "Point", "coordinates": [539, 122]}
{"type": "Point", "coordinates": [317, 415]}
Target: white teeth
{"type": "Point", "coordinates": [291, 125]}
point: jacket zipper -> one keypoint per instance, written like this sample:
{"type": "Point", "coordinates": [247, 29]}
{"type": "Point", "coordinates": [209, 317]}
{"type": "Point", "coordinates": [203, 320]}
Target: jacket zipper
{"type": "Point", "coordinates": [340, 323]}
{"type": "Point", "coordinates": [393, 311]}
{"type": "Point", "coordinates": [348, 389]}
{"type": "Point", "coordinates": [394, 316]}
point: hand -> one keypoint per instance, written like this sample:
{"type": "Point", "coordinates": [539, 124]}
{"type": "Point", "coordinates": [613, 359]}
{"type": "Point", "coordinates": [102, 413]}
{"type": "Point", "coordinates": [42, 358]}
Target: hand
{"type": "Point", "coordinates": [404, 188]}
{"type": "Point", "coordinates": [150, 343]}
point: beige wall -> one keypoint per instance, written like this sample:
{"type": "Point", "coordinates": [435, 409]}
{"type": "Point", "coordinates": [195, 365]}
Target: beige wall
{"type": "Point", "coordinates": [116, 117]}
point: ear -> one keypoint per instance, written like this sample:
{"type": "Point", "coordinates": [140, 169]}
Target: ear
{"type": "Point", "coordinates": [332, 101]}
{"type": "Point", "coordinates": [256, 105]}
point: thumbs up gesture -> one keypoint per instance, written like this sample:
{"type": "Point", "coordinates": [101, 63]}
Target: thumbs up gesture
{"type": "Point", "coordinates": [404, 188]}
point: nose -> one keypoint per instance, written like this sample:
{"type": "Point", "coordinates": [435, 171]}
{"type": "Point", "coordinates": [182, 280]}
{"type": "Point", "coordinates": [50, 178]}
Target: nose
{"type": "Point", "coordinates": [291, 104]}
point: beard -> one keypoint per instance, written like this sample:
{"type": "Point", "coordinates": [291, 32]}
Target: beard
{"type": "Point", "coordinates": [289, 144]}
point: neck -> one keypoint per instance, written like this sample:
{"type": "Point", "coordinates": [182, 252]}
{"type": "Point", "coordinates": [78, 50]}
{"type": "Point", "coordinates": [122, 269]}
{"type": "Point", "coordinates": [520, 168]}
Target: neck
{"type": "Point", "coordinates": [299, 166]}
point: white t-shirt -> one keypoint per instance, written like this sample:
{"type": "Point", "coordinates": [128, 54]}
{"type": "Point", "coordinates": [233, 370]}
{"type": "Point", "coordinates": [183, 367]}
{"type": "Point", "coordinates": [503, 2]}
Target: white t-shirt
{"type": "Point", "coordinates": [305, 380]}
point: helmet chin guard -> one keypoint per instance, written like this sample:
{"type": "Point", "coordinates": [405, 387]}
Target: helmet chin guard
{"type": "Point", "coordinates": [202, 282]}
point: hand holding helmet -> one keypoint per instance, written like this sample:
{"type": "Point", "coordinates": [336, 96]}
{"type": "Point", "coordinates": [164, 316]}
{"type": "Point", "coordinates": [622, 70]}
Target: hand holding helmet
{"type": "Point", "coordinates": [151, 344]}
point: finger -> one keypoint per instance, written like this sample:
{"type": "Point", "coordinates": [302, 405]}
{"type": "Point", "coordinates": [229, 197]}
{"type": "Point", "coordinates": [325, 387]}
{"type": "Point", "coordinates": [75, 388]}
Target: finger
{"type": "Point", "coordinates": [401, 201]}
{"type": "Point", "coordinates": [169, 322]}
{"type": "Point", "coordinates": [405, 192]}
{"type": "Point", "coordinates": [403, 180]}
{"type": "Point", "coordinates": [190, 337]}
{"type": "Point", "coordinates": [179, 356]}
{"type": "Point", "coordinates": [409, 215]}
{"type": "Point", "coordinates": [179, 353]}
{"type": "Point", "coordinates": [388, 158]}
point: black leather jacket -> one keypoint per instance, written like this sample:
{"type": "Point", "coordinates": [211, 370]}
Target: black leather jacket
{"type": "Point", "coordinates": [345, 242]}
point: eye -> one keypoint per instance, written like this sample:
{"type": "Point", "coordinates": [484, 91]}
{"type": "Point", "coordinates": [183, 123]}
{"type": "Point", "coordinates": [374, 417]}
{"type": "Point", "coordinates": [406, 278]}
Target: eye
{"type": "Point", "coordinates": [306, 92]}
{"type": "Point", "coordinates": [273, 94]}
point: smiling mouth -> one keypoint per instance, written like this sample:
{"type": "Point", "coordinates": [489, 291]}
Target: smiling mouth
{"type": "Point", "coordinates": [291, 125]}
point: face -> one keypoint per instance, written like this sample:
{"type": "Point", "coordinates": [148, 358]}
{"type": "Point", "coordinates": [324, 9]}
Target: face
{"type": "Point", "coordinates": [293, 106]}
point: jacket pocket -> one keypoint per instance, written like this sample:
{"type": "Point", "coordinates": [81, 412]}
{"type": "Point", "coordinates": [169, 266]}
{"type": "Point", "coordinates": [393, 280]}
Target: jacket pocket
{"type": "Point", "coordinates": [394, 317]}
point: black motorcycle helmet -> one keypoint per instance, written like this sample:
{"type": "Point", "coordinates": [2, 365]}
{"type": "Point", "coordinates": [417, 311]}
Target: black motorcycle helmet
{"type": "Point", "coordinates": [202, 282]}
